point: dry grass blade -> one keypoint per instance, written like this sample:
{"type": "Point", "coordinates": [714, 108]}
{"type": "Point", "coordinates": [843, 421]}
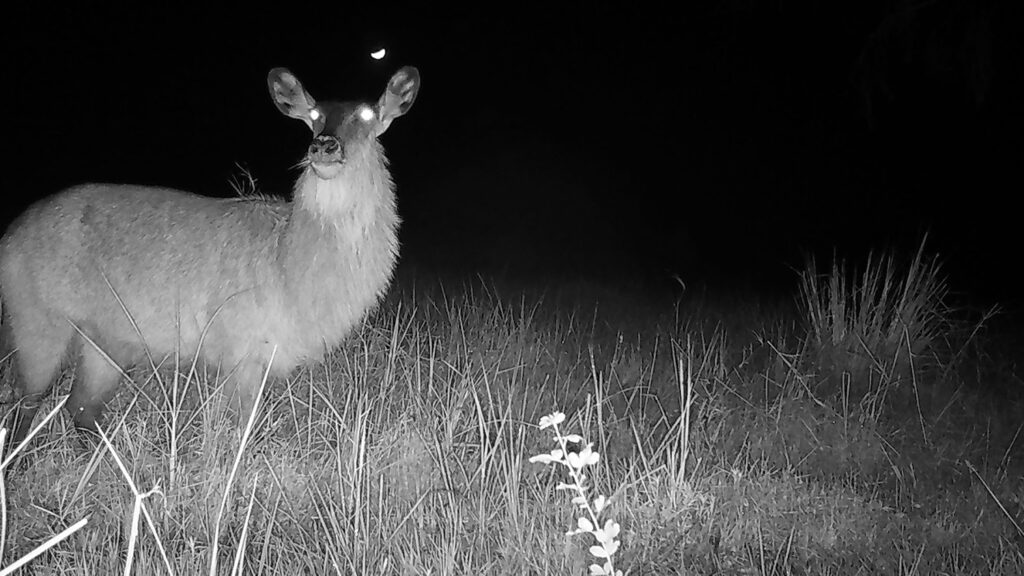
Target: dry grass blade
{"type": "Point", "coordinates": [53, 541]}
{"type": "Point", "coordinates": [28, 438]}
{"type": "Point", "coordinates": [139, 505]}
{"type": "Point", "coordinates": [249, 425]}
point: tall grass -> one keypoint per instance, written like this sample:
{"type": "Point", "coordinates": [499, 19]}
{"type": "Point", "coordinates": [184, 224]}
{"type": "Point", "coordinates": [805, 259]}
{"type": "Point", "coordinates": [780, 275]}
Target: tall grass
{"type": "Point", "coordinates": [872, 317]}
{"type": "Point", "coordinates": [407, 452]}
{"type": "Point", "coordinates": [871, 332]}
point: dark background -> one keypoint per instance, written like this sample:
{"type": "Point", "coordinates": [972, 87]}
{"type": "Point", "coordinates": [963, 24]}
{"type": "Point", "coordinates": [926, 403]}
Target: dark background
{"type": "Point", "coordinates": [610, 143]}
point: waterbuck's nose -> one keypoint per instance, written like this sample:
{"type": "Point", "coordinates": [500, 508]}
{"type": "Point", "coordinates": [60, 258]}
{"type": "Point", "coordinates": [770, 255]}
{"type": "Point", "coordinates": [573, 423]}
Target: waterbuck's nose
{"type": "Point", "coordinates": [325, 147]}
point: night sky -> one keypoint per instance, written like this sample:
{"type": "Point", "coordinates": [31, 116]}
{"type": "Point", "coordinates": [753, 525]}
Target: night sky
{"type": "Point", "coordinates": [612, 144]}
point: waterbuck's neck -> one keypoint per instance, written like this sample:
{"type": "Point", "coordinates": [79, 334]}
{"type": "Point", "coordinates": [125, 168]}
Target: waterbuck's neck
{"type": "Point", "coordinates": [359, 196]}
{"type": "Point", "coordinates": [340, 244]}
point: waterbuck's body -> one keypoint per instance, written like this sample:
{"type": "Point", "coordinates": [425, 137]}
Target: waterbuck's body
{"type": "Point", "coordinates": [229, 280]}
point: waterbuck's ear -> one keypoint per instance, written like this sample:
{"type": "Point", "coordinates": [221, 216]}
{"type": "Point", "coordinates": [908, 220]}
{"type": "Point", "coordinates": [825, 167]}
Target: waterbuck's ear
{"type": "Point", "coordinates": [291, 98]}
{"type": "Point", "coordinates": [398, 97]}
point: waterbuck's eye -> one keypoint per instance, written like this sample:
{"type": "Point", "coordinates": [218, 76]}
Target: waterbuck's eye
{"type": "Point", "coordinates": [318, 119]}
{"type": "Point", "coordinates": [366, 113]}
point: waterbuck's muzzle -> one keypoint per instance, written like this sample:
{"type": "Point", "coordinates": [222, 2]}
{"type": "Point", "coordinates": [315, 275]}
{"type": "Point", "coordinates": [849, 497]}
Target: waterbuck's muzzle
{"type": "Point", "coordinates": [325, 156]}
{"type": "Point", "coordinates": [325, 149]}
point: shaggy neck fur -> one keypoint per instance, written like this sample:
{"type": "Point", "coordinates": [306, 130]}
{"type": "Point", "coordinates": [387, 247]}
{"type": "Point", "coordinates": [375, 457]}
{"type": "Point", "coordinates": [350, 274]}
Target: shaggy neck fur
{"type": "Point", "coordinates": [340, 246]}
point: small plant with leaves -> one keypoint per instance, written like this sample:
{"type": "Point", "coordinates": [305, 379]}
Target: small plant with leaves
{"type": "Point", "coordinates": [590, 521]}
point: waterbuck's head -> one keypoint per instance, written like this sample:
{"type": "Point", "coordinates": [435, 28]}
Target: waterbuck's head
{"type": "Point", "coordinates": [342, 129]}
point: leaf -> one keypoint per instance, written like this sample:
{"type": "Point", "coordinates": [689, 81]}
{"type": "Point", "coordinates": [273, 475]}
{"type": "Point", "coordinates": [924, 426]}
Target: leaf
{"type": "Point", "coordinates": [574, 460]}
{"type": "Point", "coordinates": [598, 551]}
{"type": "Point", "coordinates": [612, 547]}
{"type": "Point", "coordinates": [574, 438]}
{"type": "Point", "coordinates": [585, 524]}
{"type": "Point", "coordinates": [599, 503]}
{"type": "Point", "coordinates": [605, 550]}
{"type": "Point", "coordinates": [607, 534]}
{"type": "Point", "coordinates": [611, 528]}
{"type": "Point", "coordinates": [553, 419]}
{"type": "Point", "coordinates": [588, 457]}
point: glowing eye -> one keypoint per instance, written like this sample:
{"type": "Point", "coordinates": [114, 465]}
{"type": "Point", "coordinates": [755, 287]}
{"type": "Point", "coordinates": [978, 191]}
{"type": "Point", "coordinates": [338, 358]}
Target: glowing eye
{"type": "Point", "coordinates": [314, 114]}
{"type": "Point", "coordinates": [377, 55]}
{"type": "Point", "coordinates": [366, 113]}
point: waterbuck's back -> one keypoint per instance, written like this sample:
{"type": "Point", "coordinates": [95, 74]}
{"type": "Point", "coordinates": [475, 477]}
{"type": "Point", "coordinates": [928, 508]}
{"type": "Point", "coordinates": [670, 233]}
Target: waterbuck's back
{"type": "Point", "coordinates": [172, 258]}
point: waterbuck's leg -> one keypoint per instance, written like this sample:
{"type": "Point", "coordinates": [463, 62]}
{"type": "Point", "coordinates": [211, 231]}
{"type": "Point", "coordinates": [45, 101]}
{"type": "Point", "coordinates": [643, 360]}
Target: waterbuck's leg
{"type": "Point", "coordinates": [42, 343]}
{"type": "Point", "coordinates": [241, 389]}
{"type": "Point", "coordinates": [94, 386]}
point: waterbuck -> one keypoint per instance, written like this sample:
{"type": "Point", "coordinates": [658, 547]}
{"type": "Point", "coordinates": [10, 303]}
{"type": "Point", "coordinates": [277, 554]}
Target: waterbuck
{"type": "Point", "coordinates": [113, 272]}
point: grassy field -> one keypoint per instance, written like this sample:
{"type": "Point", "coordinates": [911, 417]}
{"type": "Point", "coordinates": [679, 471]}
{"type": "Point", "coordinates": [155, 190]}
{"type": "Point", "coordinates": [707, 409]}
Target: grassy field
{"type": "Point", "coordinates": [863, 427]}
